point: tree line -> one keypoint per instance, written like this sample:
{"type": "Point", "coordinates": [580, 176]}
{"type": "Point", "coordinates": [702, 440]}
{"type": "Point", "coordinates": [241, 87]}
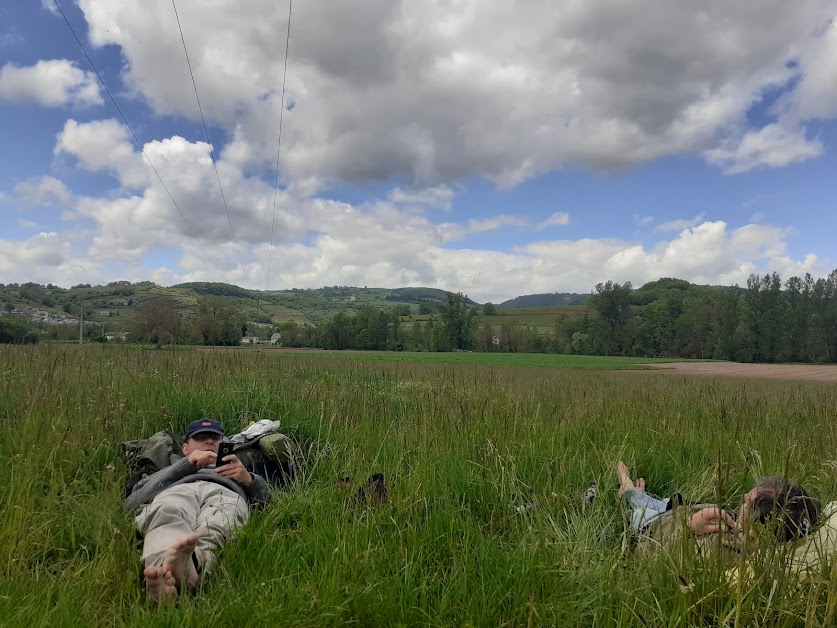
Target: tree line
{"type": "Point", "coordinates": [768, 320]}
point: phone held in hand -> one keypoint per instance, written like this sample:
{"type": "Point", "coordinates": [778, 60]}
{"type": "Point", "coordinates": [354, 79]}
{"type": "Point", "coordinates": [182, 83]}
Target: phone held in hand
{"type": "Point", "coordinates": [224, 449]}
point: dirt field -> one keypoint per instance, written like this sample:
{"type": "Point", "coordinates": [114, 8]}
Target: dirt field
{"type": "Point", "coordinates": [801, 372]}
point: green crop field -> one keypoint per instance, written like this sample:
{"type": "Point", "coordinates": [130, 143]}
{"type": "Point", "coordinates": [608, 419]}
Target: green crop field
{"type": "Point", "coordinates": [532, 360]}
{"type": "Point", "coordinates": [542, 319]}
{"type": "Point", "coordinates": [486, 463]}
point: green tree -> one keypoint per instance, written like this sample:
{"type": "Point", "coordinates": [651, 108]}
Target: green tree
{"type": "Point", "coordinates": [459, 320]}
{"type": "Point", "coordinates": [17, 330]}
{"type": "Point", "coordinates": [489, 309]}
{"type": "Point", "coordinates": [485, 338]}
{"type": "Point", "coordinates": [340, 332]}
{"type": "Point", "coordinates": [157, 321]}
{"type": "Point", "coordinates": [218, 322]}
{"type": "Point", "coordinates": [612, 302]}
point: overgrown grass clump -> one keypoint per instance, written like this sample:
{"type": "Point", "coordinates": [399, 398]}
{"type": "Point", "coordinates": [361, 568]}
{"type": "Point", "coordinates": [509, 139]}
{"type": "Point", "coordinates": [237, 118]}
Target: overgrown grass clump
{"type": "Point", "coordinates": [486, 466]}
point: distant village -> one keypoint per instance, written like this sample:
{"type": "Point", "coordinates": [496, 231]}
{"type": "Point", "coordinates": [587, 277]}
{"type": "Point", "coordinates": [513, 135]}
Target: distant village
{"type": "Point", "coordinates": [40, 316]}
{"type": "Point", "coordinates": [37, 315]}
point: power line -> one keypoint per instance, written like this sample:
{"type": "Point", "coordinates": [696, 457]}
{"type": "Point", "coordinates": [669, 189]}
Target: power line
{"type": "Point", "coordinates": [279, 144]}
{"type": "Point", "coordinates": [136, 140]}
{"type": "Point", "coordinates": [211, 154]}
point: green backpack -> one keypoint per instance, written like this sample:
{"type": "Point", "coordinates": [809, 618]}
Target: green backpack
{"type": "Point", "coordinates": [273, 455]}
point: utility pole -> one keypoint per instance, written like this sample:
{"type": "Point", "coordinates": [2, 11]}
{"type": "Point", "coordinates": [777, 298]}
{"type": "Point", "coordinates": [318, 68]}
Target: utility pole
{"type": "Point", "coordinates": [81, 324]}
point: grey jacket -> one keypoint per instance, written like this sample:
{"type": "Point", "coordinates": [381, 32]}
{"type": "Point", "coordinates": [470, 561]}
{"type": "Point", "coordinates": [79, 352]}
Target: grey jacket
{"type": "Point", "coordinates": [184, 472]}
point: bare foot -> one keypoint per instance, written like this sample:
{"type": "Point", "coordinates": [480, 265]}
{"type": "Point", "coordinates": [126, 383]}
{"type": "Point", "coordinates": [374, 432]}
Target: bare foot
{"type": "Point", "coordinates": [179, 563]}
{"type": "Point", "coordinates": [625, 481]}
{"type": "Point", "coordinates": [161, 587]}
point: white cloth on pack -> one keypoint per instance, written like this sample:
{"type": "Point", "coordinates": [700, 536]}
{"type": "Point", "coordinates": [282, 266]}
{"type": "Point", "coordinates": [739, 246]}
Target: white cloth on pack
{"type": "Point", "coordinates": [255, 430]}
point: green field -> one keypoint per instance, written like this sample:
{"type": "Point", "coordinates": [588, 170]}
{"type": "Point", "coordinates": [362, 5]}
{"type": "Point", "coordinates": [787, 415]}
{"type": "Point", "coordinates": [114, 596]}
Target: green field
{"type": "Point", "coordinates": [486, 463]}
{"type": "Point", "coordinates": [541, 319]}
{"type": "Point", "coordinates": [531, 360]}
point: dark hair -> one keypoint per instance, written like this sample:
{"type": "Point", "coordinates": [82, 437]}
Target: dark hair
{"type": "Point", "coordinates": [786, 506]}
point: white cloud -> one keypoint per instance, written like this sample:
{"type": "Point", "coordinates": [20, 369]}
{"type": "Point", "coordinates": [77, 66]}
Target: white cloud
{"type": "Point", "coordinates": [758, 242]}
{"type": "Point", "coordinates": [556, 219]}
{"type": "Point", "coordinates": [438, 197]}
{"type": "Point", "coordinates": [25, 223]}
{"type": "Point", "coordinates": [10, 38]}
{"type": "Point", "coordinates": [49, 5]}
{"type": "Point", "coordinates": [378, 244]}
{"type": "Point", "coordinates": [50, 83]}
{"type": "Point", "coordinates": [680, 224]}
{"type": "Point", "coordinates": [104, 146]}
{"type": "Point", "coordinates": [44, 191]}
{"type": "Point", "coordinates": [43, 250]}
{"type": "Point", "coordinates": [430, 94]}
{"type": "Point", "coordinates": [816, 94]}
{"type": "Point", "coordinates": [773, 146]}
{"type": "Point", "coordinates": [423, 97]}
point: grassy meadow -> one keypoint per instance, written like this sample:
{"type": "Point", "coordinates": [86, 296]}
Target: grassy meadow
{"type": "Point", "coordinates": [486, 464]}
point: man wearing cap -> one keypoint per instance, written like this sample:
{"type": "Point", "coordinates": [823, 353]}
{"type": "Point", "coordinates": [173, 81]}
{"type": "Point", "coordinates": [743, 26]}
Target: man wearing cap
{"type": "Point", "coordinates": [188, 510]}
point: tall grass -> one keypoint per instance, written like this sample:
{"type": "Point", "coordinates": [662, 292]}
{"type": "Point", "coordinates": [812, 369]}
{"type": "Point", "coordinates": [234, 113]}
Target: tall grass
{"type": "Point", "coordinates": [486, 466]}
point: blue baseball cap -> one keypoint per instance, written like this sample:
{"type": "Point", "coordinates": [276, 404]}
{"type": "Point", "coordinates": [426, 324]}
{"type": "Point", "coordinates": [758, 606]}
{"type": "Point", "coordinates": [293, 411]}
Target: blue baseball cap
{"type": "Point", "coordinates": [203, 425]}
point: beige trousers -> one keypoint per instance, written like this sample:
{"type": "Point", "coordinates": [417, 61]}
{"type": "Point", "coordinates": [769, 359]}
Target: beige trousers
{"type": "Point", "coordinates": [213, 511]}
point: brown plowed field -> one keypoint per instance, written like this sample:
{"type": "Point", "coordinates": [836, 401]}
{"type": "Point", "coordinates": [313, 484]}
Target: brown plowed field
{"type": "Point", "coordinates": [800, 372]}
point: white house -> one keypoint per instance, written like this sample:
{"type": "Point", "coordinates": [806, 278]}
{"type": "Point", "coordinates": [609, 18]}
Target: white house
{"type": "Point", "coordinates": [276, 338]}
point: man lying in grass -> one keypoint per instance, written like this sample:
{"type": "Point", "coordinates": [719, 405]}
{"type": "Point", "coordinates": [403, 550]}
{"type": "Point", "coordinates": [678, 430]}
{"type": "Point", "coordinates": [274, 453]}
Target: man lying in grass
{"type": "Point", "coordinates": [187, 511]}
{"type": "Point", "coordinates": [775, 502]}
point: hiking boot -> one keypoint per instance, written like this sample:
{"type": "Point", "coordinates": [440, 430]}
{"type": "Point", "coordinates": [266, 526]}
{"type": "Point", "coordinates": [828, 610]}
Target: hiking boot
{"type": "Point", "coordinates": [374, 491]}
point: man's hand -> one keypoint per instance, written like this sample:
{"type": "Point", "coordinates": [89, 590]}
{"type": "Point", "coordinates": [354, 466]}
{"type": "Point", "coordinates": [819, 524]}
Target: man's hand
{"type": "Point", "coordinates": [202, 459]}
{"type": "Point", "coordinates": [235, 471]}
{"type": "Point", "coordinates": [711, 520]}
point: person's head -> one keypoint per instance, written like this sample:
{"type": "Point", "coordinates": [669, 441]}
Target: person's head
{"type": "Point", "coordinates": [781, 504]}
{"type": "Point", "coordinates": [202, 435]}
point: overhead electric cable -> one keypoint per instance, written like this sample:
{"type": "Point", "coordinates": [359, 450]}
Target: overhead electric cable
{"type": "Point", "coordinates": [206, 133]}
{"type": "Point", "coordinates": [136, 140]}
{"type": "Point", "coordinates": [279, 144]}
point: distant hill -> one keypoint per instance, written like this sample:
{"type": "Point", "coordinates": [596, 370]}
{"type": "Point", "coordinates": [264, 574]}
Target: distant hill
{"type": "Point", "coordinates": [420, 295]}
{"type": "Point", "coordinates": [116, 302]}
{"type": "Point", "coordinates": [545, 300]}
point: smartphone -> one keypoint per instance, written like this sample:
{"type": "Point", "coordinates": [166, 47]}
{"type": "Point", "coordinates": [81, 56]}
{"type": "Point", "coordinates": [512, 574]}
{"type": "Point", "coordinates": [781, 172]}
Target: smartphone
{"type": "Point", "coordinates": [224, 449]}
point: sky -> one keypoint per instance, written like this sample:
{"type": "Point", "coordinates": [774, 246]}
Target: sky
{"type": "Point", "coordinates": [484, 146]}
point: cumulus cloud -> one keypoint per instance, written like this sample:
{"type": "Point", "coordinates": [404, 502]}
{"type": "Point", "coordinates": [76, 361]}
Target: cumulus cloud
{"type": "Point", "coordinates": [424, 97]}
{"type": "Point", "coordinates": [438, 197]}
{"type": "Point", "coordinates": [50, 83]}
{"type": "Point", "coordinates": [44, 191]}
{"type": "Point", "coordinates": [40, 256]}
{"type": "Point", "coordinates": [681, 223]}
{"type": "Point", "coordinates": [773, 146]}
{"type": "Point", "coordinates": [103, 145]}
{"type": "Point", "coordinates": [561, 219]}
{"type": "Point", "coordinates": [431, 94]}
{"type": "Point", "coordinates": [816, 94]}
